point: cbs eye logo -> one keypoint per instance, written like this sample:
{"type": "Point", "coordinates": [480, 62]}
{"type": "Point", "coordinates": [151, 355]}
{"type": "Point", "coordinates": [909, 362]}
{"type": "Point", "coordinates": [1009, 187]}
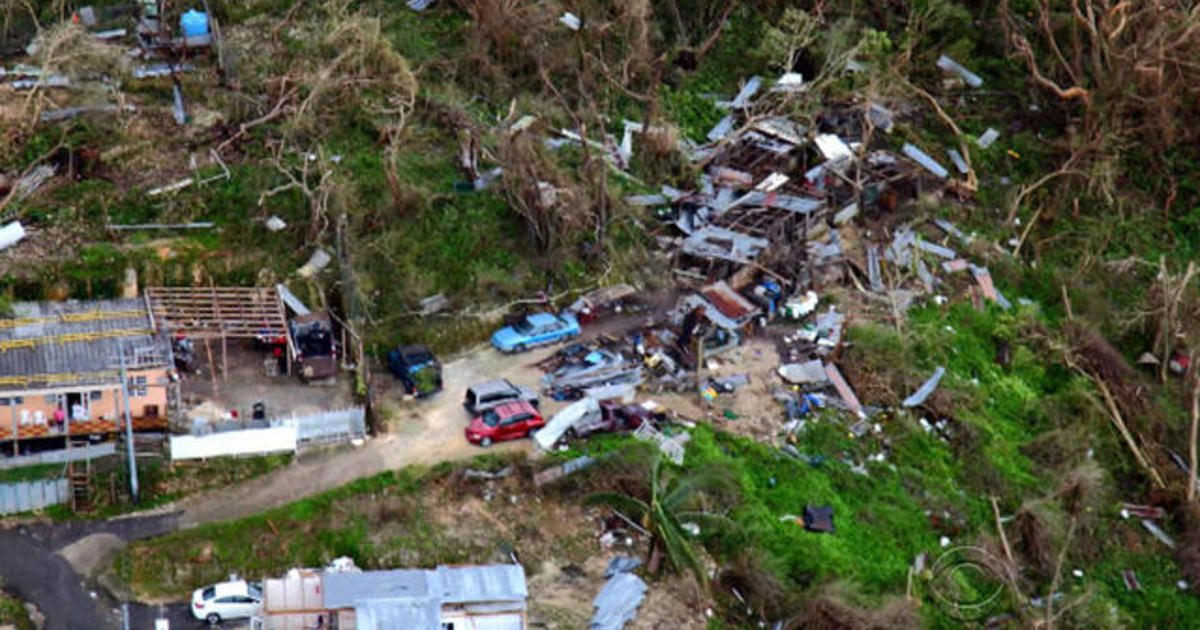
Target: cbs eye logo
{"type": "Point", "coordinates": [966, 582]}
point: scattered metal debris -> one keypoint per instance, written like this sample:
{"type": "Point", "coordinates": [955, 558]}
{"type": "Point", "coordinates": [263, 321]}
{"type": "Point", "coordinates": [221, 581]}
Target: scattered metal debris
{"type": "Point", "coordinates": [472, 473]}
{"type": "Point", "coordinates": [742, 99]}
{"type": "Point", "coordinates": [618, 601]}
{"type": "Point", "coordinates": [1158, 533]}
{"type": "Point", "coordinates": [918, 397]}
{"type": "Point", "coordinates": [922, 158]}
{"type": "Point", "coordinates": [32, 181]}
{"type": "Point", "coordinates": [161, 70]}
{"type": "Point", "coordinates": [843, 389]}
{"type": "Point", "coordinates": [959, 162]}
{"type": "Point", "coordinates": [315, 263]}
{"type": "Point", "coordinates": [968, 77]}
{"type": "Point", "coordinates": [11, 234]}
{"type": "Point", "coordinates": [71, 112]}
{"type": "Point", "coordinates": [571, 21]}
{"type": "Point", "coordinates": [988, 138]}
{"type": "Point", "coordinates": [622, 564]}
{"type": "Point", "coordinates": [557, 472]}
{"type": "Point", "coordinates": [199, 225]}
{"type": "Point", "coordinates": [1131, 581]}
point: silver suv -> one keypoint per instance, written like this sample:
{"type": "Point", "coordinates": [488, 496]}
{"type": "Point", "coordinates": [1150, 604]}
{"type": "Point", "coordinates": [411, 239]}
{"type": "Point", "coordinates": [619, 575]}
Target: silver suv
{"type": "Point", "coordinates": [485, 396]}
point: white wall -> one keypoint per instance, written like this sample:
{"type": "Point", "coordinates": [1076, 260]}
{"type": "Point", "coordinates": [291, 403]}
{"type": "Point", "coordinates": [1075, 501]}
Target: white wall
{"type": "Point", "coordinates": [247, 442]}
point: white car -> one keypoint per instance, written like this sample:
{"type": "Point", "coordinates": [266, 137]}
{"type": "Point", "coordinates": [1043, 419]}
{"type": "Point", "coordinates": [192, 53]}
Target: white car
{"type": "Point", "coordinates": [236, 599]}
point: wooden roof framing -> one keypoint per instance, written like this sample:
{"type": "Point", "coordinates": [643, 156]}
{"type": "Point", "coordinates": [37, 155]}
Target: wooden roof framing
{"type": "Point", "coordinates": [217, 312]}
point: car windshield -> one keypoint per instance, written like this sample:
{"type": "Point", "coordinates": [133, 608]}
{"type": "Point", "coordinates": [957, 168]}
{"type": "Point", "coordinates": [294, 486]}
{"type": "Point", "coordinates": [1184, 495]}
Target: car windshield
{"type": "Point", "coordinates": [491, 418]}
{"type": "Point", "coordinates": [418, 358]}
{"type": "Point", "coordinates": [255, 591]}
{"type": "Point", "coordinates": [524, 326]}
{"type": "Point", "coordinates": [209, 593]}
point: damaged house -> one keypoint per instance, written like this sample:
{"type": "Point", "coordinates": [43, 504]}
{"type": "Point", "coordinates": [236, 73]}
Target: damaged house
{"type": "Point", "coordinates": [60, 370]}
{"type": "Point", "coordinates": [488, 597]}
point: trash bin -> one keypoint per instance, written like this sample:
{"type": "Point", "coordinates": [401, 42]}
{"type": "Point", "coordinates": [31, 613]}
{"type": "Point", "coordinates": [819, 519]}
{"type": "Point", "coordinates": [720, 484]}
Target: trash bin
{"type": "Point", "coordinates": [259, 411]}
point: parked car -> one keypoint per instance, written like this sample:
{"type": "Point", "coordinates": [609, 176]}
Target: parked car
{"type": "Point", "coordinates": [535, 330]}
{"type": "Point", "coordinates": [484, 396]}
{"type": "Point", "coordinates": [236, 599]}
{"type": "Point", "coordinates": [504, 422]}
{"type": "Point", "coordinates": [417, 369]}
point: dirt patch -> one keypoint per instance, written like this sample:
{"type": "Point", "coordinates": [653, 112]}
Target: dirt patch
{"type": "Point", "coordinates": [561, 596]}
{"type": "Point", "coordinates": [751, 410]}
{"type": "Point", "coordinates": [88, 554]}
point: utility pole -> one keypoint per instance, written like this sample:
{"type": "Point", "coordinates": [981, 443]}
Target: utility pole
{"type": "Point", "coordinates": [133, 479]}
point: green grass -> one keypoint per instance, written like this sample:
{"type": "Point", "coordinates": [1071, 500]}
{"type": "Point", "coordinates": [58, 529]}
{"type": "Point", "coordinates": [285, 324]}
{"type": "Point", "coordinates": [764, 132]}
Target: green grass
{"type": "Point", "coordinates": [30, 473]}
{"type": "Point", "coordinates": [13, 612]}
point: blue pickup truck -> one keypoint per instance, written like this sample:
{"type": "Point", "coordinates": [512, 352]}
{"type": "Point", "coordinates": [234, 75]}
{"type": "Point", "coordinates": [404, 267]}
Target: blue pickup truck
{"type": "Point", "coordinates": [535, 330]}
{"type": "Point", "coordinates": [417, 369]}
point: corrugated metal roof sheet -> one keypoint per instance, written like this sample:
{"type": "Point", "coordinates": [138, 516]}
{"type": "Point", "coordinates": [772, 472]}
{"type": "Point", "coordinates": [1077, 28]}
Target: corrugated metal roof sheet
{"type": "Point", "coordinates": [618, 602]}
{"type": "Point", "coordinates": [410, 614]}
{"type": "Point", "coordinates": [413, 598]}
{"type": "Point", "coordinates": [78, 338]}
{"type": "Point", "coordinates": [489, 583]}
{"type": "Point", "coordinates": [344, 590]}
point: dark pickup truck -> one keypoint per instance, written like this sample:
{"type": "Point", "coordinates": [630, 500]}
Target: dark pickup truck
{"type": "Point", "coordinates": [417, 369]}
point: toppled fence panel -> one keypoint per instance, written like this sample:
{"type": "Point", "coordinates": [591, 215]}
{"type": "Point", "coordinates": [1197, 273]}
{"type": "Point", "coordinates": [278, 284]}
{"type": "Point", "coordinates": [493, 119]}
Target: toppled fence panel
{"type": "Point", "coordinates": [341, 425]}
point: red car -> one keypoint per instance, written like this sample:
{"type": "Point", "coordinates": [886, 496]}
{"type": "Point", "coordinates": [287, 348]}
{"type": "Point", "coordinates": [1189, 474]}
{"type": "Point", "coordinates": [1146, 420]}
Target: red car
{"type": "Point", "coordinates": [504, 422]}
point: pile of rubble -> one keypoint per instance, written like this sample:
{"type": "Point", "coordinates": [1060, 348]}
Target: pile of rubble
{"type": "Point", "coordinates": [783, 214]}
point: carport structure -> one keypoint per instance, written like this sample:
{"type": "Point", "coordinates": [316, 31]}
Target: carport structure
{"type": "Point", "coordinates": [209, 313]}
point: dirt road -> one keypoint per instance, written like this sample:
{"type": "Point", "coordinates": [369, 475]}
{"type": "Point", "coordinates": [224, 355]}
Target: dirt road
{"type": "Point", "coordinates": [428, 432]}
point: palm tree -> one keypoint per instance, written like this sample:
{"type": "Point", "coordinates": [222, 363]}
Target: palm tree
{"type": "Point", "coordinates": [675, 498]}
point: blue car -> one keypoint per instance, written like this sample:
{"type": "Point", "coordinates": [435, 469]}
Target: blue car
{"type": "Point", "coordinates": [535, 330]}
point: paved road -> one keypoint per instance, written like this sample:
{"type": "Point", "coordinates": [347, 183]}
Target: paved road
{"type": "Point", "coordinates": [32, 569]}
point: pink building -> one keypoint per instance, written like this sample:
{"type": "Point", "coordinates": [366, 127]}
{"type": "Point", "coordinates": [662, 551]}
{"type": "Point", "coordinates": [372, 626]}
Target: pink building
{"type": "Point", "coordinates": [60, 370]}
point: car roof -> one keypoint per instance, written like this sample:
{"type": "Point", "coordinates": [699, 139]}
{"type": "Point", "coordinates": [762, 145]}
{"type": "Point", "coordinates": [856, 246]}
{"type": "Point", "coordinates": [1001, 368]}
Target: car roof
{"type": "Point", "coordinates": [419, 348]}
{"type": "Point", "coordinates": [493, 386]}
{"type": "Point", "coordinates": [237, 587]}
{"type": "Point", "coordinates": [541, 319]}
{"type": "Point", "coordinates": [513, 408]}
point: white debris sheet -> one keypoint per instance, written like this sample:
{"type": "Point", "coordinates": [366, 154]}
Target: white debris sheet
{"type": "Point", "coordinates": [926, 388]}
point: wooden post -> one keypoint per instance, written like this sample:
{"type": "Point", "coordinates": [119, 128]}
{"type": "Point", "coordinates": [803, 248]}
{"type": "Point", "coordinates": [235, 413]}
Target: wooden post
{"type": "Point", "coordinates": [224, 357]}
{"type": "Point", "coordinates": [212, 369]}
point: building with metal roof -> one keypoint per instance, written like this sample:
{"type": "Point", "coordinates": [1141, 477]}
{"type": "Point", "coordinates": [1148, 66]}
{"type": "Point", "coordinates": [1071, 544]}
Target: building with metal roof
{"type": "Point", "coordinates": [488, 597]}
{"type": "Point", "coordinates": [60, 368]}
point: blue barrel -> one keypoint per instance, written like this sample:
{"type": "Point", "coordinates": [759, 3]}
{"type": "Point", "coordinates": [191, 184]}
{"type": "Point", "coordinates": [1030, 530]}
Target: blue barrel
{"type": "Point", "coordinates": [194, 23]}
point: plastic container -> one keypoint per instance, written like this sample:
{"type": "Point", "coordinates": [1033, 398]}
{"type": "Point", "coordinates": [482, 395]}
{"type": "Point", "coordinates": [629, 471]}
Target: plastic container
{"type": "Point", "coordinates": [194, 23]}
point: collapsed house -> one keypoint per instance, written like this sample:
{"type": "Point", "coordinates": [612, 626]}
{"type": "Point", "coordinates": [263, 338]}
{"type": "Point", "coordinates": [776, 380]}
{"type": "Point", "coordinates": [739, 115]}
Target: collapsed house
{"type": "Point", "coordinates": [61, 365]}
{"type": "Point", "coordinates": [487, 597]}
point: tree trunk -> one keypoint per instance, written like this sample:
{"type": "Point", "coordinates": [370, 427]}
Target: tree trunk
{"type": "Point", "coordinates": [654, 565]}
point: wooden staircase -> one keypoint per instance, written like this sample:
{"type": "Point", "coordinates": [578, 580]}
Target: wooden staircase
{"type": "Point", "coordinates": [80, 476]}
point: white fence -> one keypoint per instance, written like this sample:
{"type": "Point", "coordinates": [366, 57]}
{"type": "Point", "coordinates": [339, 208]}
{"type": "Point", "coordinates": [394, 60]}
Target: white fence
{"type": "Point", "coordinates": [285, 435]}
{"type": "Point", "coordinates": [248, 442]}
{"type": "Point", "coordinates": [60, 456]}
{"type": "Point", "coordinates": [341, 425]}
{"type": "Point", "coordinates": [32, 495]}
